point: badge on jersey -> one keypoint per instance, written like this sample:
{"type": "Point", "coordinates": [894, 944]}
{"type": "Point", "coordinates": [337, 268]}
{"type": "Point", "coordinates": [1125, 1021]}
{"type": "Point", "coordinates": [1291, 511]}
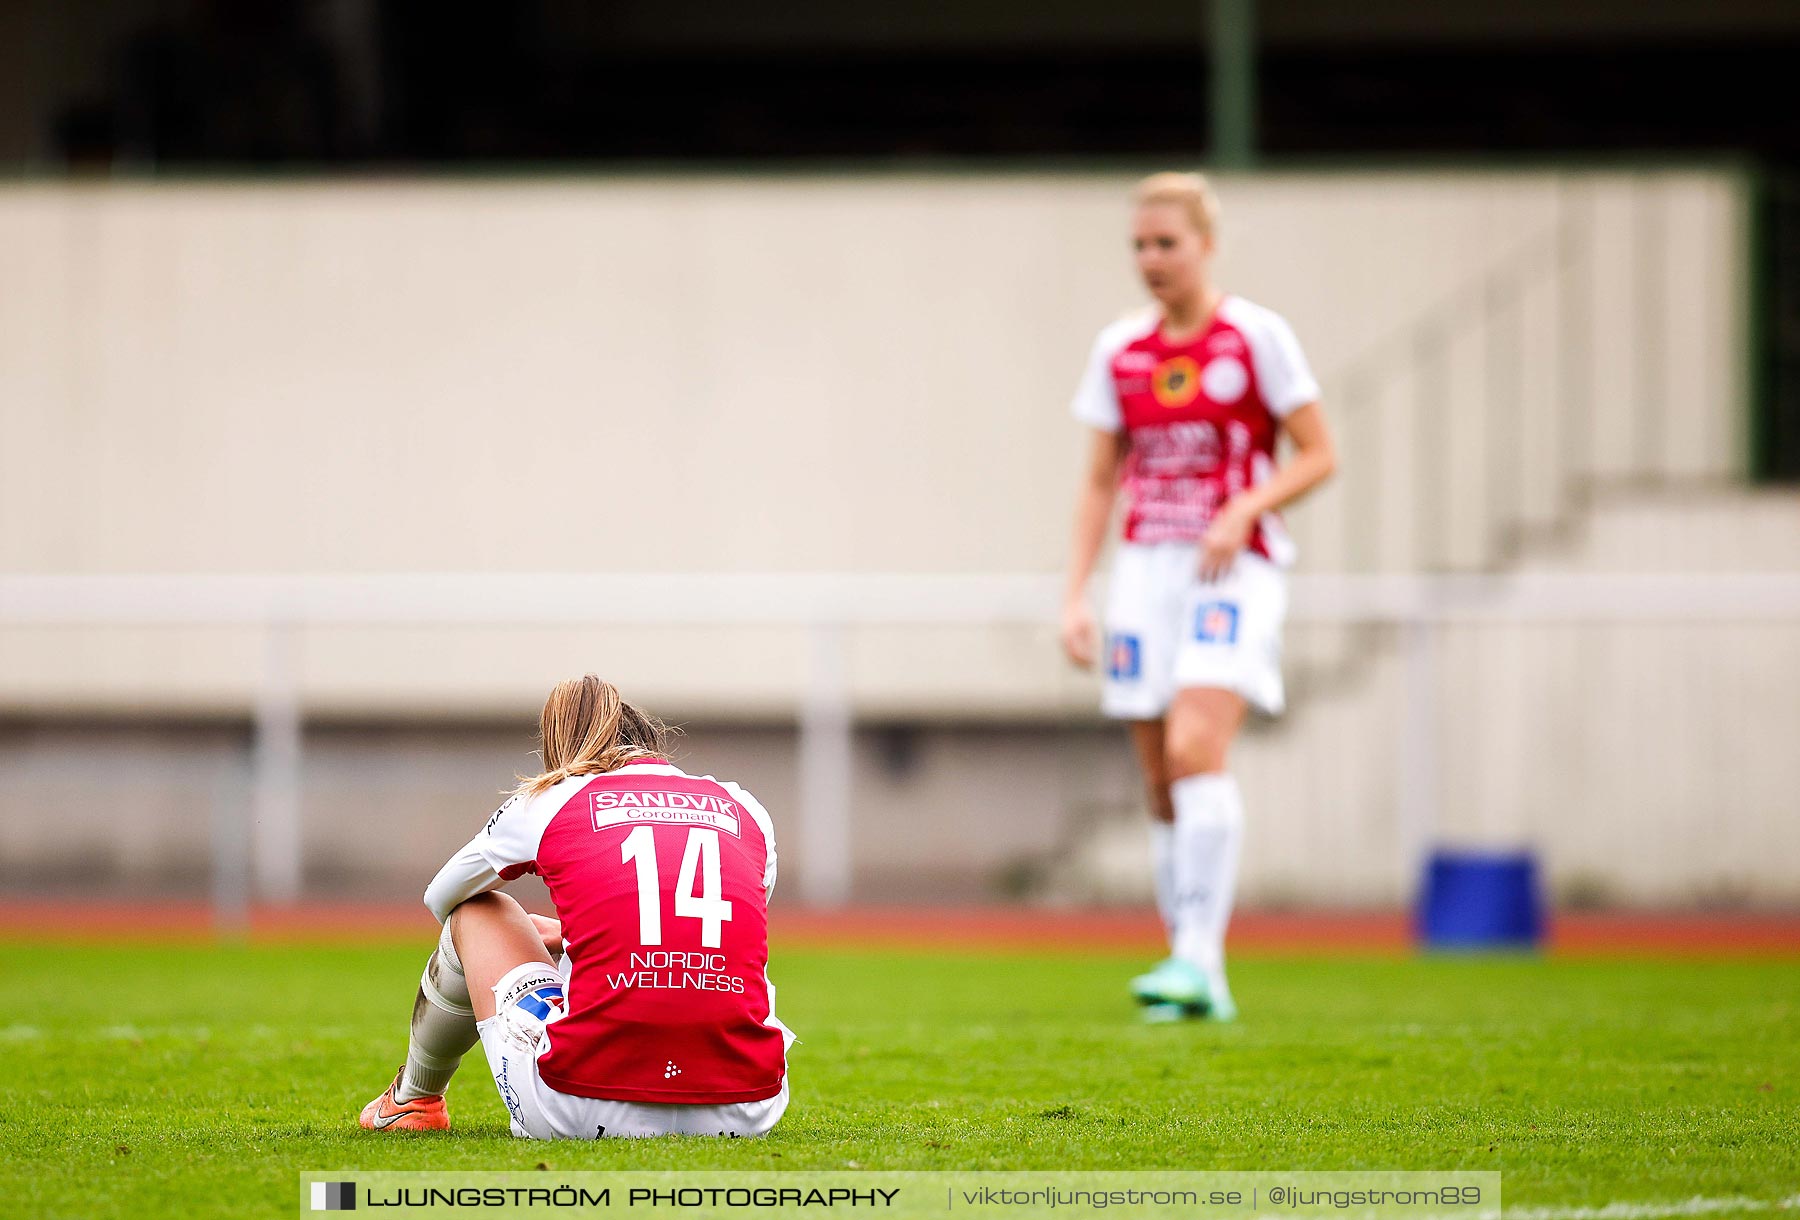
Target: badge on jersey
{"type": "Point", "coordinates": [1225, 379]}
{"type": "Point", "coordinates": [1176, 381]}
{"type": "Point", "coordinates": [1124, 659]}
{"type": "Point", "coordinates": [1216, 623]}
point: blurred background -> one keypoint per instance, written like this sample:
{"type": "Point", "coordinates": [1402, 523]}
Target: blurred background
{"type": "Point", "coordinates": [368, 366]}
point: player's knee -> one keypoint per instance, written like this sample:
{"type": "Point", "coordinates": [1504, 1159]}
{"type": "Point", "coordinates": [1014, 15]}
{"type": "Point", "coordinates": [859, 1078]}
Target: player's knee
{"type": "Point", "coordinates": [493, 900]}
{"type": "Point", "coordinates": [490, 905]}
{"type": "Point", "coordinates": [1196, 745]}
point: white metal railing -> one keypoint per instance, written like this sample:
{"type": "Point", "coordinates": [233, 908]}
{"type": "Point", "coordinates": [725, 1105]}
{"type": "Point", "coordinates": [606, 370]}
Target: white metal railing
{"type": "Point", "coordinates": [828, 606]}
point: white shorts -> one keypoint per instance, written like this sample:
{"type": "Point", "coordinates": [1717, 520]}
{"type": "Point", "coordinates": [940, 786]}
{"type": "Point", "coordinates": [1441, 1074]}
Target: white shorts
{"type": "Point", "coordinates": [514, 1038]}
{"type": "Point", "coordinates": [1166, 630]}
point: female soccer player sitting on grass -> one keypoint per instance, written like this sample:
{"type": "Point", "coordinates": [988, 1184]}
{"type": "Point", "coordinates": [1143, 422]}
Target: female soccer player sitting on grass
{"type": "Point", "coordinates": [659, 1018]}
{"type": "Point", "coordinates": [1185, 401]}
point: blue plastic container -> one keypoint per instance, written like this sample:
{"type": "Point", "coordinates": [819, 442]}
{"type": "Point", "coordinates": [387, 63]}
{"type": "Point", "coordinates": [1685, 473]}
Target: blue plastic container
{"type": "Point", "coordinates": [1481, 900]}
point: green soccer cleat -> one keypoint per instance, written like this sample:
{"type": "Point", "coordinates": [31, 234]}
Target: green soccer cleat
{"type": "Point", "coordinates": [1171, 981]}
{"type": "Point", "coordinates": [1177, 991]}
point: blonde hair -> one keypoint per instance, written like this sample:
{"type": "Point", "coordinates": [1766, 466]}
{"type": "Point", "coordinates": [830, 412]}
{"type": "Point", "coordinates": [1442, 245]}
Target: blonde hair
{"type": "Point", "coordinates": [587, 728]}
{"type": "Point", "coordinates": [1191, 192]}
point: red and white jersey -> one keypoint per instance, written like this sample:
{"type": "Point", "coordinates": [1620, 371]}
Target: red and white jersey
{"type": "Point", "coordinates": [661, 880]}
{"type": "Point", "coordinates": [1201, 416]}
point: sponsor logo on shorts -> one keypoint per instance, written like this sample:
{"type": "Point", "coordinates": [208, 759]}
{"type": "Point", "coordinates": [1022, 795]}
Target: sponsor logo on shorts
{"type": "Point", "coordinates": [1216, 623]}
{"type": "Point", "coordinates": [508, 1094]}
{"type": "Point", "coordinates": [541, 1002]}
{"type": "Point", "coordinates": [1124, 658]}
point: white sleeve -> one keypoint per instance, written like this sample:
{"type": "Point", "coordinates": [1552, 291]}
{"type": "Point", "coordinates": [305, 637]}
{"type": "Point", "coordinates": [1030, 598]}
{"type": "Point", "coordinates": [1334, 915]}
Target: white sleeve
{"type": "Point", "coordinates": [505, 849]}
{"type": "Point", "coordinates": [467, 874]}
{"type": "Point", "coordinates": [1282, 374]}
{"type": "Point", "coordinates": [1097, 398]}
{"type": "Point", "coordinates": [763, 823]}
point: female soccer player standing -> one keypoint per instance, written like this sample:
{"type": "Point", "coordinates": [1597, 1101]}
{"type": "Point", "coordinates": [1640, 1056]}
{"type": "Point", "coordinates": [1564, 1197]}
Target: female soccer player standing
{"type": "Point", "coordinates": [1186, 401]}
{"type": "Point", "coordinates": [660, 1018]}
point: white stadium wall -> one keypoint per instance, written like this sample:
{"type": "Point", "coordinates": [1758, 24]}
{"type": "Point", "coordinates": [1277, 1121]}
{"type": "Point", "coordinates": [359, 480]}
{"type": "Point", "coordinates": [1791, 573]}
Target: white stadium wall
{"type": "Point", "coordinates": [867, 375]}
{"type": "Point", "coordinates": [861, 374]}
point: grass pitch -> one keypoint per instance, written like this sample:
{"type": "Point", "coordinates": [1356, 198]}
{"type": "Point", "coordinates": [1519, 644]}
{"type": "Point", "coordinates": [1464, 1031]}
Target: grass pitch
{"type": "Point", "coordinates": [199, 1082]}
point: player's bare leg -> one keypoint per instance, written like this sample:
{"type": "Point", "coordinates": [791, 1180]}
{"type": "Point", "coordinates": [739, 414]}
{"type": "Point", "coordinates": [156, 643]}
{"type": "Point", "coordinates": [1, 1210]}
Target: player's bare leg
{"type": "Point", "coordinates": [1148, 741]}
{"type": "Point", "coordinates": [1208, 838]}
{"type": "Point", "coordinates": [445, 1011]}
{"type": "Point", "coordinates": [493, 937]}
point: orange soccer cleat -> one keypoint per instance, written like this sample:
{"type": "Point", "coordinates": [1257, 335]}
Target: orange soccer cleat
{"type": "Point", "coordinates": [419, 1114]}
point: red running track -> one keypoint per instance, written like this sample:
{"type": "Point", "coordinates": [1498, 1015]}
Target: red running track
{"type": "Point", "coordinates": [1051, 930]}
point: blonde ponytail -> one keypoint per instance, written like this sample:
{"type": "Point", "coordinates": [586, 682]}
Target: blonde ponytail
{"type": "Point", "coordinates": [587, 728]}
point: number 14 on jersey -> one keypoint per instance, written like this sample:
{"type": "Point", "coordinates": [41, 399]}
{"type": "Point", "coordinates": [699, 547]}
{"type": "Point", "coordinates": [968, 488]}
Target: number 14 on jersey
{"type": "Point", "coordinates": [698, 891]}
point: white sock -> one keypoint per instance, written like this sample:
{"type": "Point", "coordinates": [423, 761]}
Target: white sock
{"type": "Point", "coordinates": [443, 1025]}
{"type": "Point", "coordinates": [1209, 837]}
{"type": "Point", "coordinates": [1162, 869]}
